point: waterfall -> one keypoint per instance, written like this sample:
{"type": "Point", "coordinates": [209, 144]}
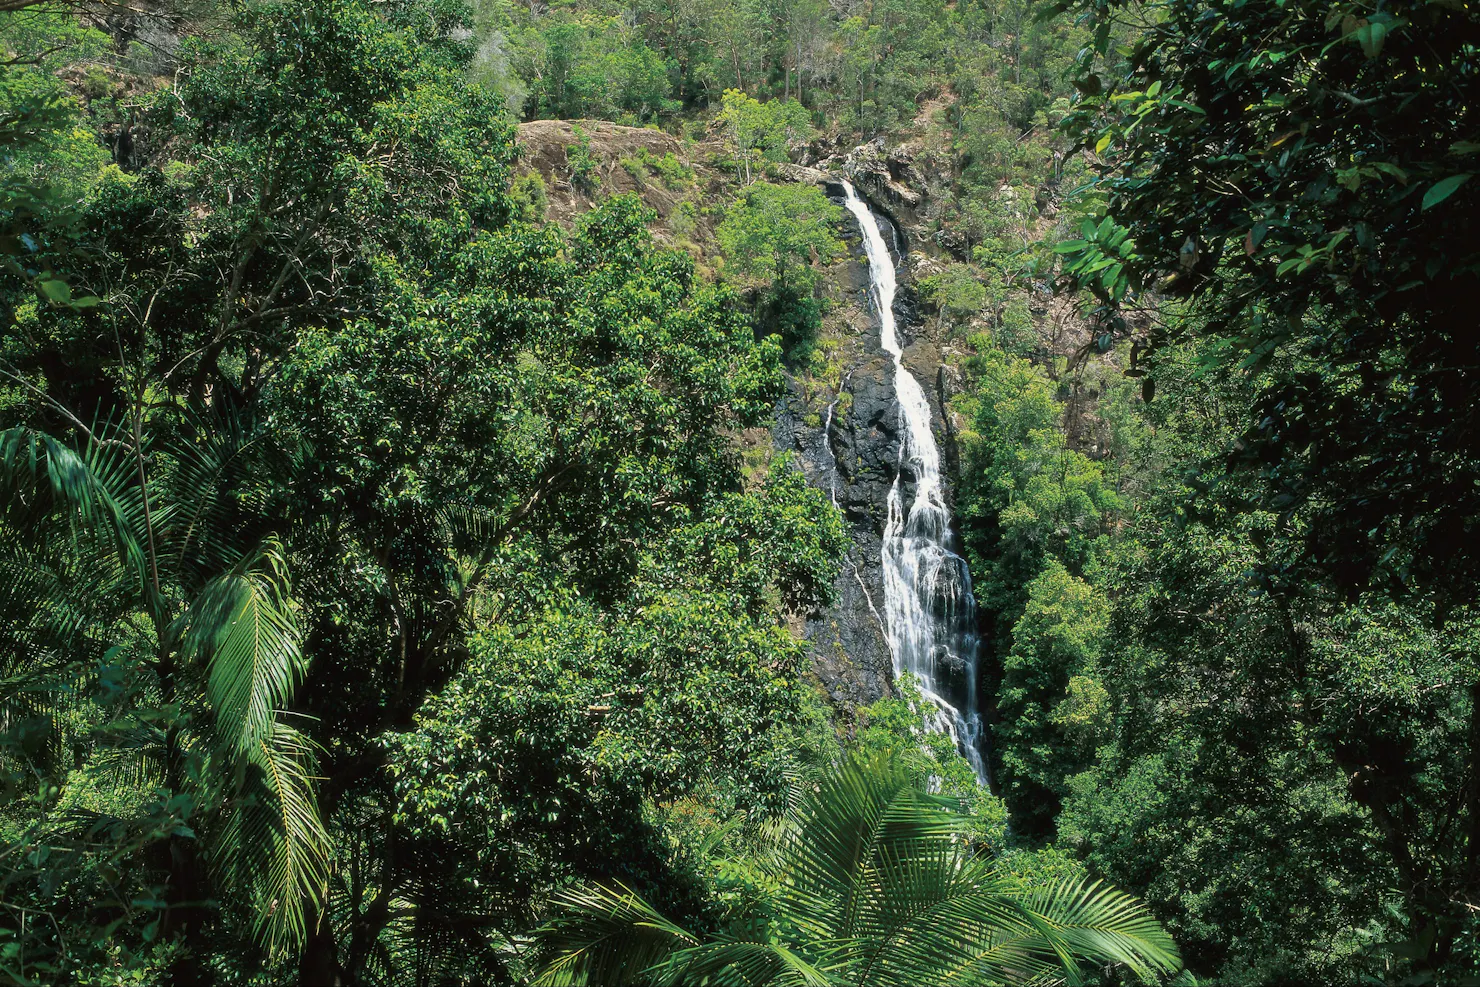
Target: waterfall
{"type": "Point", "coordinates": [929, 610]}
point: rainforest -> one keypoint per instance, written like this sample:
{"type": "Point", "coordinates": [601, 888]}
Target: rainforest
{"type": "Point", "coordinates": [739, 492]}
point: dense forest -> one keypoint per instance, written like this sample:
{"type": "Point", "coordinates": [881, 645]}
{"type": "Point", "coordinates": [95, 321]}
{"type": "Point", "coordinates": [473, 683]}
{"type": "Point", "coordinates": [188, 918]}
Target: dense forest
{"type": "Point", "coordinates": [739, 492]}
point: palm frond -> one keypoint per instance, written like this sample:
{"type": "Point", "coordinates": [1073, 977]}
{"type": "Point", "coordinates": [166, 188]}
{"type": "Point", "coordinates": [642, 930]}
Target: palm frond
{"type": "Point", "coordinates": [1104, 925]}
{"type": "Point", "coordinates": [221, 481]}
{"type": "Point", "coordinates": [244, 626]}
{"type": "Point", "coordinates": [868, 807]}
{"type": "Point", "coordinates": [272, 845]}
{"type": "Point", "coordinates": [992, 930]}
{"type": "Point", "coordinates": [878, 889]}
{"type": "Point", "coordinates": [740, 963]}
{"type": "Point", "coordinates": [40, 476]}
{"type": "Point", "coordinates": [56, 606]}
{"type": "Point", "coordinates": [607, 936]}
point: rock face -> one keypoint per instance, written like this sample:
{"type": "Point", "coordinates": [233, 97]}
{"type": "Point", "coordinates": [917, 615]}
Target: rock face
{"type": "Point", "coordinates": [842, 424]}
{"type": "Point", "coordinates": [899, 182]}
{"type": "Point", "coordinates": [848, 442]}
{"type": "Point", "coordinates": [543, 146]}
{"type": "Point", "coordinates": [853, 453]}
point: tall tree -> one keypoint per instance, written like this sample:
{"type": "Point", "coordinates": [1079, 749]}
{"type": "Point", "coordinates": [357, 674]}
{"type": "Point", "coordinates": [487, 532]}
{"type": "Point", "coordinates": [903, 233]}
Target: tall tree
{"type": "Point", "coordinates": [1303, 173]}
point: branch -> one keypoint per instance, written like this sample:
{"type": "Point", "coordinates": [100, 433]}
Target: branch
{"type": "Point", "coordinates": [35, 59]}
{"type": "Point", "coordinates": [77, 422]}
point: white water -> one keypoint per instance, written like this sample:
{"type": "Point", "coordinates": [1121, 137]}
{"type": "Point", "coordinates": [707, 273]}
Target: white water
{"type": "Point", "coordinates": [929, 610]}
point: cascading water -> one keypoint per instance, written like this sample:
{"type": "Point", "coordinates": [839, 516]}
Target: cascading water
{"type": "Point", "coordinates": [929, 610]}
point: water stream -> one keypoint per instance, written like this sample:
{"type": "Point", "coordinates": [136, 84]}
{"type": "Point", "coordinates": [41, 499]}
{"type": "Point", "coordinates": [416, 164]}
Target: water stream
{"type": "Point", "coordinates": [930, 614]}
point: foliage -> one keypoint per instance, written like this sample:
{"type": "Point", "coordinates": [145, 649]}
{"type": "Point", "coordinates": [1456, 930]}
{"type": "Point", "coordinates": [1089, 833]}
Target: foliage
{"type": "Point", "coordinates": [457, 593]}
{"type": "Point", "coordinates": [672, 172]}
{"type": "Point", "coordinates": [49, 159]}
{"type": "Point", "coordinates": [1258, 746]}
{"type": "Point", "coordinates": [545, 749]}
{"type": "Point", "coordinates": [955, 291]}
{"type": "Point", "coordinates": [1324, 297]}
{"type": "Point", "coordinates": [866, 864]}
{"type": "Point", "coordinates": [895, 727]}
{"type": "Point", "coordinates": [782, 233]}
{"type": "Point", "coordinates": [1341, 268]}
{"type": "Point", "coordinates": [346, 367]}
{"type": "Point", "coordinates": [594, 66]}
{"type": "Point", "coordinates": [581, 163]}
{"type": "Point", "coordinates": [1051, 707]}
{"type": "Point", "coordinates": [1026, 498]}
{"type": "Point", "coordinates": [175, 621]}
{"type": "Point", "coordinates": [528, 198]}
{"type": "Point", "coordinates": [760, 132]}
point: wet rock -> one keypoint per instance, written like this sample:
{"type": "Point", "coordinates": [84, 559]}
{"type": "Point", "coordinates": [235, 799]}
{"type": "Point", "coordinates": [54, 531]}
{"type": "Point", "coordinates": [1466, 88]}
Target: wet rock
{"type": "Point", "coordinates": [865, 443]}
{"type": "Point", "coordinates": [847, 437]}
{"type": "Point", "coordinates": [853, 455]}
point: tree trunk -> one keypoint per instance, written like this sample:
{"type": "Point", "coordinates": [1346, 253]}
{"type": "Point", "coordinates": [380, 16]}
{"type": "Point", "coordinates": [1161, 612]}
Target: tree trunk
{"type": "Point", "coordinates": [800, 98]}
{"type": "Point", "coordinates": [186, 913]}
{"type": "Point", "coordinates": [318, 965]}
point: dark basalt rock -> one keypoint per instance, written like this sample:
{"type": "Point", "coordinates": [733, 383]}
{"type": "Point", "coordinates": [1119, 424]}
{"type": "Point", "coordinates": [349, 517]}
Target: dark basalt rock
{"type": "Point", "coordinates": [855, 460]}
{"type": "Point", "coordinates": [853, 454]}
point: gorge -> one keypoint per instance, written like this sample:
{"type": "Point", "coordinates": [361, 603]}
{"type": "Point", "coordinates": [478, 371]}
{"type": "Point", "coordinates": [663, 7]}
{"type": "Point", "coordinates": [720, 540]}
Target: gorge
{"type": "Point", "coordinates": [929, 610]}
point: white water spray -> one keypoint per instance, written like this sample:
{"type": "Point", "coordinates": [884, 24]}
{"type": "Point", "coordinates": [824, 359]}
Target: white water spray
{"type": "Point", "coordinates": [929, 610]}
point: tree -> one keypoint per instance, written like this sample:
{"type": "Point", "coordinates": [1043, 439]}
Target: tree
{"type": "Point", "coordinates": [1303, 175]}
{"type": "Point", "coordinates": [780, 233]}
{"type": "Point", "coordinates": [760, 131]}
{"type": "Point", "coordinates": [1048, 695]}
{"type": "Point", "coordinates": [49, 161]}
{"type": "Point", "coordinates": [596, 67]}
{"type": "Point", "coordinates": [461, 424]}
{"type": "Point", "coordinates": [130, 568]}
{"type": "Point", "coordinates": [551, 748]}
{"type": "Point", "coordinates": [868, 885]}
{"type": "Point", "coordinates": [1026, 499]}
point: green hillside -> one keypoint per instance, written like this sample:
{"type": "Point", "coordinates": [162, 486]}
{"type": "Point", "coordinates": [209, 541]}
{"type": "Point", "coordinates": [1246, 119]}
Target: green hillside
{"type": "Point", "coordinates": [446, 448]}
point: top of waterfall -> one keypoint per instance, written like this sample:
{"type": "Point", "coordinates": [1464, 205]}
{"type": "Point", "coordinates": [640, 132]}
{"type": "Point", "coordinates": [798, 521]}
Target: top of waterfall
{"type": "Point", "coordinates": [881, 267]}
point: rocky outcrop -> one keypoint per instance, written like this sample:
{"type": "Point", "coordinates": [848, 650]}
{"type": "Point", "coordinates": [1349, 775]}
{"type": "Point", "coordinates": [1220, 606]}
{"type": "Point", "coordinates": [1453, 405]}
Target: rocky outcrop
{"type": "Point", "coordinates": [847, 439]}
{"type": "Point", "coordinates": [906, 182]}
{"type": "Point", "coordinates": [543, 145]}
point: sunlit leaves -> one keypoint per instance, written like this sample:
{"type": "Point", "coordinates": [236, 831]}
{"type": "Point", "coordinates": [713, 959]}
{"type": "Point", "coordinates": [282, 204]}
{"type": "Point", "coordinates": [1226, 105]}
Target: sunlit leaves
{"type": "Point", "coordinates": [876, 889]}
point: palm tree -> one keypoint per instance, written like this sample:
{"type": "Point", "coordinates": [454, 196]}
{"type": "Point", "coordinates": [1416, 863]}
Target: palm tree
{"type": "Point", "coordinates": [138, 573]}
{"type": "Point", "coordinates": [870, 884]}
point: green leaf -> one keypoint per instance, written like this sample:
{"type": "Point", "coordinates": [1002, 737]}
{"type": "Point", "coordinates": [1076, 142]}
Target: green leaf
{"type": "Point", "coordinates": [57, 291]}
{"type": "Point", "coordinates": [1090, 85]}
{"type": "Point", "coordinates": [1444, 189]}
{"type": "Point", "coordinates": [1389, 168]}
